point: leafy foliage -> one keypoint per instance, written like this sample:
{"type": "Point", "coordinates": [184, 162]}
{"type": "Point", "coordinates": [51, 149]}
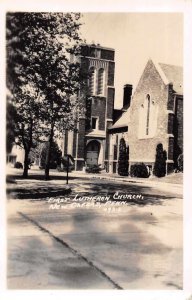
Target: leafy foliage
{"type": "Point", "coordinates": [123, 158]}
{"type": "Point", "coordinates": [55, 158]}
{"type": "Point", "coordinates": [93, 169]}
{"type": "Point", "coordinates": [67, 162]}
{"type": "Point", "coordinates": [41, 76]}
{"type": "Point", "coordinates": [139, 170]}
{"type": "Point", "coordinates": [160, 161]}
{"type": "Point", "coordinates": [180, 162]}
{"type": "Point", "coordinates": [18, 165]}
{"type": "Point", "coordinates": [10, 126]}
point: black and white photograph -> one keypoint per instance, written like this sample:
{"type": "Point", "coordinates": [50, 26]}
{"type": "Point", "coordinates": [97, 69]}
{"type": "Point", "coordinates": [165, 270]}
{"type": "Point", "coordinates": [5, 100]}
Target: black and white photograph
{"type": "Point", "coordinates": [94, 150]}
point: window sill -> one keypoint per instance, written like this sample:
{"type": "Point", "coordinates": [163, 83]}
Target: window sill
{"type": "Point", "coordinates": [146, 137]}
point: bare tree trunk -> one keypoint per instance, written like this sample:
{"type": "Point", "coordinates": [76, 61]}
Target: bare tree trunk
{"type": "Point", "coordinates": [26, 161]}
{"type": "Point", "coordinates": [27, 147]}
{"type": "Point", "coordinates": [48, 154]}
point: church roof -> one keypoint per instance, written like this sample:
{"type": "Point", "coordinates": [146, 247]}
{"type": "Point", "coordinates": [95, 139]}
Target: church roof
{"type": "Point", "coordinates": [174, 75]}
{"type": "Point", "coordinates": [170, 74]}
{"type": "Point", "coordinates": [122, 121]}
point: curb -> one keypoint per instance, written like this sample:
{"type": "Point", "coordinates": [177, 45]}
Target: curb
{"type": "Point", "coordinates": [129, 180]}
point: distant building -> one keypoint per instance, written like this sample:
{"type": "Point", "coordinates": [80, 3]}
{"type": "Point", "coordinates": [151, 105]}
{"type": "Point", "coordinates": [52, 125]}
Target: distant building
{"type": "Point", "coordinates": [17, 154]}
{"type": "Point", "coordinates": [155, 116]}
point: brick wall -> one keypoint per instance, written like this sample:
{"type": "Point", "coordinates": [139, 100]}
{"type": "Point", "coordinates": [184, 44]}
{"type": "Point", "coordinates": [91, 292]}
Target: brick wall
{"type": "Point", "coordinates": [81, 139]}
{"type": "Point", "coordinates": [179, 116]}
{"type": "Point", "coordinates": [178, 129]}
{"type": "Point", "coordinates": [98, 109]}
{"type": "Point", "coordinates": [144, 149]}
{"type": "Point", "coordinates": [110, 102]}
{"type": "Point", "coordinates": [111, 72]}
{"type": "Point", "coordinates": [107, 54]}
{"type": "Point", "coordinates": [107, 141]}
{"type": "Point", "coordinates": [170, 123]}
{"type": "Point", "coordinates": [170, 148]}
{"type": "Point", "coordinates": [91, 51]}
{"type": "Point", "coordinates": [170, 103]}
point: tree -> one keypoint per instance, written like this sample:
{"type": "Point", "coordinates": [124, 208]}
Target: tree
{"type": "Point", "coordinates": [123, 158]}
{"type": "Point", "coordinates": [40, 46]}
{"type": "Point", "coordinates": [160, 161]}
{"type": "Point", "coordinates": [55, 158]}
{"type": "Point", "coordinates": [25, 117]}
{"type": "Point", "coordinates": [10, 126]}
{"type": "Point", "coordinates": [25, 94]}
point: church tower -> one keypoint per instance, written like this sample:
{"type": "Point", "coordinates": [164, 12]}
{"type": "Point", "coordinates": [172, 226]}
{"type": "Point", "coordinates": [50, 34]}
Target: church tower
{"type": "Point", "coordinates": [90, 142]}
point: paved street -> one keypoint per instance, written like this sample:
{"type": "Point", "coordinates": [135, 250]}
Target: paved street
{"type": "Point", "coordinates": [103, 235]}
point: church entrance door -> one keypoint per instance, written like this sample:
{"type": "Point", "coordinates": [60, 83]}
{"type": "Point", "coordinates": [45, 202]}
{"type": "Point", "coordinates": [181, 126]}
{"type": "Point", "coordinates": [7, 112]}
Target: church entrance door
{"type": "Point", "coordinates": [92, 153]}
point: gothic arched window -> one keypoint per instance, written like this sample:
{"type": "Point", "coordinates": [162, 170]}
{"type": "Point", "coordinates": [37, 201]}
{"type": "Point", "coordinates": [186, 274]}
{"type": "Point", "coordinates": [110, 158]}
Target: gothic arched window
{"type": "Point", "coordinates": [100, 83]}
{"type": "Point", "coordinates": [148, 106]}
{"type": "Point", "coordinates": [92, 80]}
{"type": "Point", "coordinates": [148, 116]}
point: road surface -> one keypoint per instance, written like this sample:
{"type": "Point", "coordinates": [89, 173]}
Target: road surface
{"type": "Point", "coordinates": [103, 235]}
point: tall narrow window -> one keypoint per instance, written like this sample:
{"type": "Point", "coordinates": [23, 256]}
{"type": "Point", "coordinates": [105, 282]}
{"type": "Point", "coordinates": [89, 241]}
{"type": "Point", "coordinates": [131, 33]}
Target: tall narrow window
{"type": "Point", "coordinates": [100, 82]}
{"type": "Point", "coordinates": [148, 114]}
{"type": "Point", "coordinates": [117, 139]}
{"type": "Point", "coordinates": [94, 123]}
{"type": "Point", "coordinates": [91, 80]}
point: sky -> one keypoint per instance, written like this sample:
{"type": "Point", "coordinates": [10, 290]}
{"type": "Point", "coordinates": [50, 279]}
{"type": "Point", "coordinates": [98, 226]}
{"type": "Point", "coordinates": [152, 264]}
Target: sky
{"type": "Point", "coordinates": [136, 37]}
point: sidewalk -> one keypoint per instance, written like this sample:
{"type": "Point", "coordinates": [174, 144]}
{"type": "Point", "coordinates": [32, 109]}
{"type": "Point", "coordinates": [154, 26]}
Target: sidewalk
{"type": "Point", "coordinates": [175, 179]}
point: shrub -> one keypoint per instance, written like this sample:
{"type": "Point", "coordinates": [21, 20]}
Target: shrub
{"type": "Point", "coordinates": [139, 170]}
{"type": "Point", "coordinates": [52, 165]}
{"type": "Point", "coordinates": [18, 165]}
{"type": "Point", "coordinates": [55, 158]}
{"type": "Point", "coordinates": [180, 162]}
{"type": "Point", "coordinates": [160, 161]}
{"type": "Point", "coordinates": [62, 167]}
{"type": "Point", "coordinates": [123, 158]}
{"type": "Point", "coordinates": [93, 169]}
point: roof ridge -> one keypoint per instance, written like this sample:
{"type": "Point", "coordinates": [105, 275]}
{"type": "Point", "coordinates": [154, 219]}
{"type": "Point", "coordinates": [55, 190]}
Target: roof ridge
{"type": "Point", "coordinates": [161, 72]}
{"type": "Point", "coordinates": [172, 65]}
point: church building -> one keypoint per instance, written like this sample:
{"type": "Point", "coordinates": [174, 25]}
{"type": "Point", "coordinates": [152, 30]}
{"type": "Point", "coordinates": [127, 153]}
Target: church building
{"type": "Point", "coordinates": [154, 116]}
{"type": "Point", "coordinates": [89, 143]}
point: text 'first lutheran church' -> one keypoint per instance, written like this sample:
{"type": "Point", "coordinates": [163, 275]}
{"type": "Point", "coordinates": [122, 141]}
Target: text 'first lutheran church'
{"type": "Point", "coordinates": [152, 115]}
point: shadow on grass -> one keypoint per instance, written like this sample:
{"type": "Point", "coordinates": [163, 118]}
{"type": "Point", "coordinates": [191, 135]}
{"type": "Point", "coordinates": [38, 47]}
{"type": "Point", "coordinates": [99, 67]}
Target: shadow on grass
{"type": "Point", "coordinates": [136, 195]}
{"type": "Point", "coordinates": [147, 199]}
{"type": "Point", "coordinates": [37, 193]}
{"type": "Point", "coordinates": [41, 189]}
{"type": "Point", "coordinates": [13, 178]}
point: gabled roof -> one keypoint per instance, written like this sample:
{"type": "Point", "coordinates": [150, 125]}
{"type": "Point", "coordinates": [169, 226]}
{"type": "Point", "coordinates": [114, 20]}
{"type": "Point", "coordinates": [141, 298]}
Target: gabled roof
{"type": "Point", "coordinates": [175, 75]}
{"type": "Point", "coordinates": [171, 74]}
{"type": "Point", "coordinates": [122, 121]}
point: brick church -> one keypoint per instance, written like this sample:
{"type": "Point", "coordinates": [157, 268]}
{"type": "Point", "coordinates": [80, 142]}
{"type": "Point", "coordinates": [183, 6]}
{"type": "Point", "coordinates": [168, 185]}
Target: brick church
{"type": "Point", "coordinates": [90, 143]}
{"type": "Point", "coordinates": [152, 115]}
